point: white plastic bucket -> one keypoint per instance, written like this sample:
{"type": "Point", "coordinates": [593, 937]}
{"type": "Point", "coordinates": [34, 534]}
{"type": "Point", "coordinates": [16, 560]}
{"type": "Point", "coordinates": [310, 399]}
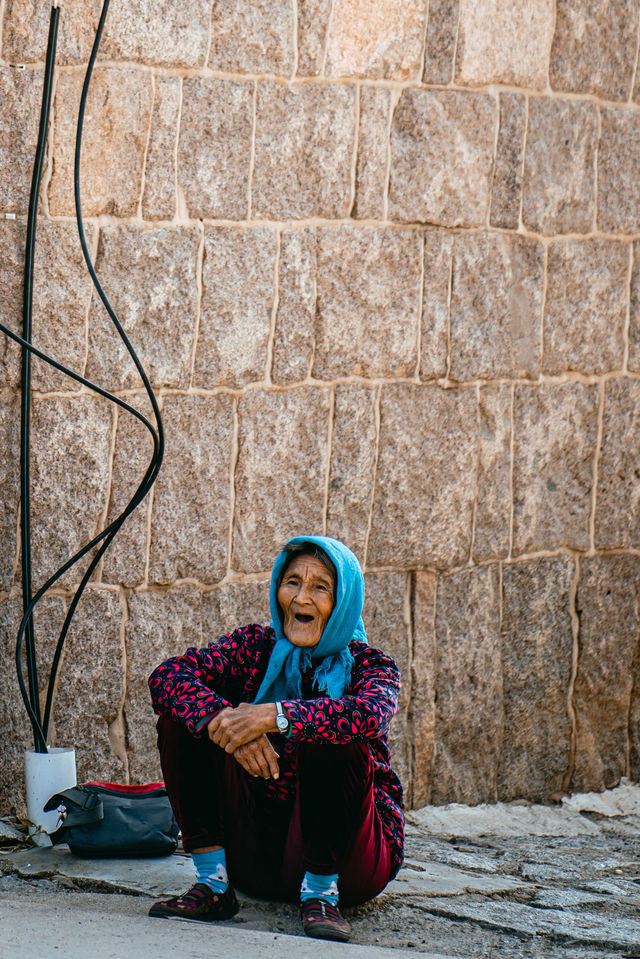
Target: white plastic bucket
{"type": "Point", "coordinates": [46, 774]}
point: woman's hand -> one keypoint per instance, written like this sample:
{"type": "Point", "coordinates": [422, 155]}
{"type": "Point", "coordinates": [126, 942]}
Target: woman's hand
{"type": "Point", "coordinates": [259, 758]}
{"type": "Point", "coordinates": [232, 728]}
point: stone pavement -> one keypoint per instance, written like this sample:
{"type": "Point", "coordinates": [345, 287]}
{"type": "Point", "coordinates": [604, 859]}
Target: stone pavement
{"type": "Point", "coordinates": [483, 881]}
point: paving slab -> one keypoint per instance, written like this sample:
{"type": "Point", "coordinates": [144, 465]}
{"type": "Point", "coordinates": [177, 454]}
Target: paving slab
{"type": "Point", "coordinates": [437, 879]}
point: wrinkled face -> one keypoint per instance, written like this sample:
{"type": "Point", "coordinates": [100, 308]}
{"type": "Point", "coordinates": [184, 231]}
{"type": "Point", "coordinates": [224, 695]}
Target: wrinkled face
{"type": "Point", "coordinates": [306, 599]}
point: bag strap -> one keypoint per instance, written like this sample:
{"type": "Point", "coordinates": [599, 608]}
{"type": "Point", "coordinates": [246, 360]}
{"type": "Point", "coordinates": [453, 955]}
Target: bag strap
{"type": "Point", "coordinates": [77, 807]}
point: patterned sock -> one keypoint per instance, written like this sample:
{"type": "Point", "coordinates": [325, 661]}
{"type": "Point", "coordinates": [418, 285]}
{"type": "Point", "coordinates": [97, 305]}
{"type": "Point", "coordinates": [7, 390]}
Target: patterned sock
{"type": "Point", "coordinates": [212, 869]}
{"type": "Point", "coordinates": [320, 887]}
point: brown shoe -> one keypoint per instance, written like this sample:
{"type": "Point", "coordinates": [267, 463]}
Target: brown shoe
{"type": "Point", "coordinates": [200, 903]}
{"type": "Point", "coordinates": [321, 920]}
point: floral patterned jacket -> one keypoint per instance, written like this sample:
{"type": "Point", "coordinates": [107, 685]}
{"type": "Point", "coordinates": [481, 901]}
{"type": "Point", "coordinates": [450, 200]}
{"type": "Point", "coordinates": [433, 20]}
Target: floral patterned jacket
{"type": "Point", "coordinates": [192, 688]}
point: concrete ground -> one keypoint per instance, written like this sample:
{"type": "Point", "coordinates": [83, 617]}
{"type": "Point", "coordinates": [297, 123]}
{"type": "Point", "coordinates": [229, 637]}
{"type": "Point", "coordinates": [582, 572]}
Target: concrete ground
{"type": "Point", "coordinates": [486, 881]}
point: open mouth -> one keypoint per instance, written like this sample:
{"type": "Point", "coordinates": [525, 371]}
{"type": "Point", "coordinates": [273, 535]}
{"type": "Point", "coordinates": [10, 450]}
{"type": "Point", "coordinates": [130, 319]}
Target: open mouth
{"type": "Point", "coordinates": [303, 618]}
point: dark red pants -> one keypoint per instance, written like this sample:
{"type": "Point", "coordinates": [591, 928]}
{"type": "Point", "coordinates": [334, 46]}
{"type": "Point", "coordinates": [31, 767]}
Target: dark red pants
{"type": "Point", "coordinates": [331, 826]}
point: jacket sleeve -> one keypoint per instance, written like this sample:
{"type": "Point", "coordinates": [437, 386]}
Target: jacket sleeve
{"type": "Point", "coordinates": [364, 713]}
{"type": "Point", "coordinates": [193, 688]}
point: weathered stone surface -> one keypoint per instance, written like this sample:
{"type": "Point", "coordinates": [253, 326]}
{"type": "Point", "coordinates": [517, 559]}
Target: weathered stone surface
{"type": "Point", "coordinates": [26, 25]}
{"type": "Point", "coordinates": [12, 245]}
{"type": "Point", "coordinates": [423, 500]}
{"type": "Point", "coordinates": [376, 40]}
{"type": "Point", "coordinates": [368, 302]}
{"type": "Point", "coordinates": [441, 157]}
{"type": "Point", "coordinates": [214, 147]}
{"type": "Point", "coordinates": [504, 41]}
{"type": "Point", "coordinates": [634, 720]}
{"type": "Point", "coordinates": [114, 143]}
{"type": "Point", "coordinates": [594, 47]}
{"type": "Point", "coordinates": [281, 472]}
{"type": "Point", "coordinates": [422, 708]}
{"type": "Point", "coordinates": [304, 150]}
{"type": "Point", "coordinates": [634, 311]}
{"type": "Point", "coordinates": [608, 643]}
{"type": "Point", "coordinates": [440, 44]}
{"type": "Point", "coordinates": [387, 617]}
{"type": "Point", "coordinates": [493, 505]}
{"type": "Point", "coordinates": [353, 462]}
{"type": "Point", "coordinates": [9, 484]}
{"type": "Point", "coordinates": [585, 306]}
{"type": "Point", "coordinates": [236, 306]}
{"type": "Point", "coordinates": [252, 36]}
{"type": "Point", "coordinates": [559, 166]}
{"type": "Point", "coordinates": [157, 305]}
{"type": "Point", "coordinates": [232, 605]}
{"type": "Point", "coordinates": [159, 197]}
{"type": "Point", "coordinates": [537, 650]}
{"type": "Point", "coordinates": [618, 159]}
{"type": "Point", "coordinates": [313, 22]}
{"type": "Point", "coordinates": [618, 497]}
{"type": "Point", "coordinates": [468, 684]}
{"type": "Point", "coordinates": [159, 625]}
{"type": "Point", "coordinates": [125, 559]}
{"type": "Point", "coordinates": [434, 337]}
{"type": "Point", "coordinates": [496, 306]}
{"type": "Point", "coordinates": [21, 93]}
{"type": "Point", "coordinates": [168, 34]}
{"type": "Point", "coordinates": [506, 188]}
{"type": "Point", "coordinates": [91, 689]}
{"type": "Point", "coordinates": [555, 429]}
{"type": "Point", "coordinates": [190, 520]}
{"type": "Point", "coordinates": [70, 446]}
{"type": "Point", "coordinates": [294, 338]}
{"type": "Point", "coordinates": [373, 153]}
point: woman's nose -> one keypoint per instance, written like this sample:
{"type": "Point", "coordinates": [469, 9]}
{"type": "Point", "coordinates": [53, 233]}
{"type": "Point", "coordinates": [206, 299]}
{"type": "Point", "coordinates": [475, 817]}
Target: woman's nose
{"type": "Point", "coordinates": [304, 593]}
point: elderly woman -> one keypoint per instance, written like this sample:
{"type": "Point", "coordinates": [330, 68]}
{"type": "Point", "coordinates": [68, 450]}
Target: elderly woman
{"type": "Point", "coordinates": [273, 744]}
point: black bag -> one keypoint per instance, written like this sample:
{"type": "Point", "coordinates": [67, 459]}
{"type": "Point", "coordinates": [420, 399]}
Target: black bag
{"type": "Point", "coordinates": [109, 821]}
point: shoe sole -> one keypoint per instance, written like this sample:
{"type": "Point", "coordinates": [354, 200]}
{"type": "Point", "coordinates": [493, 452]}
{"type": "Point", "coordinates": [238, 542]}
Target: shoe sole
{"type": "Point", "coordinates": [319, 930]}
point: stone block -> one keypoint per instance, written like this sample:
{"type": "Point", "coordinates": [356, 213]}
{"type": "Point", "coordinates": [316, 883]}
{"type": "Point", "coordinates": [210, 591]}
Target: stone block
{"type": "Point", "coordinates": [634, 311]}
{"type": "Point", "coordinates": [559, 166]}
{"type": "Point", "coordinates": [537, 653]}
{"type": "Point", "coordinates": [70, 458]}
{"type": "Point", "coordinates": [91, 689]}
{"type": "Point", "coordinates": [373, 153]}
{"type": "Point", "coordinates": [313, 23]}
{"type": "Point", "coordinates": [159, 625]}
{"type": "Point", "coordinates": [304, 145]}
{"type": "Point", "coordinates": [618, 159]}
{"type": "Point", "coordinates": [234, 604]}
{"type": "Point", "coordinates": [368, 302]}
{"type": "Point", "coordinates": [150, 276]}
{"type": "Point", "coordinates": [506, 187]}
{"type": "Point", "coordinates": [493, 506]}
{"type": "Point", "coordinates": [425, 485]}
{"type": "Point", "coordinates": [634, 721]}
{"type": "Point", "coordinates": [422, 708]}
{"type": "Point", "coordinates": [441, 157]}
{"type": "Point", "coordinates": [586, 306]}
{"type": "Point", "coordinates": [190, 518]}
{"type": "Point", "coordinates": [164, 33]}
{"type": "Point", "coordinates": [440, 43]}
{"type": "Point", "coordinates": [236, 306]}
{"type": "Point", "coordinates": [9, 484]}
{"type": "Point", "coordinates": [126, 558]}
{"type": "Point", "coordinates": [496, 306]}
{"type": "Point", "coordinates": [437, 274]}
{"type": "Point", "coordinates": [555, 431]}
{"type": "Point", "coordinates": [294, 338]}
{"type": "Point", "coordinates": [26, 26]}
{"type": "Point", "coordinates": [618, 496]}
{"type": "Point", "coordinates": [353, 463]}
{"type": "Point", "coordinates": [115, 137]}
{"type": "Point", "coordinates": [504, 41]}
{"type": "Point", "coordinates": [12, 247]}
{"type": "Point", "coordinates": [21, 95]}
{"type": "Point", "coordinates": [375, 40]}
{"type": "Point", "coordinates": [159, 197]}
{"type": "Point", "coordinates": [468, 688]}
{"type": "Point", "coordinates": [214, 147]}
{"type": "Point", "coordinates": [252, 36]}
{"type": "Point", "coordinates": [594, 48]}
{"type": "Point", "coordinates": [607, 606]}
{"type": "Point", "coordinates": [281, 472]}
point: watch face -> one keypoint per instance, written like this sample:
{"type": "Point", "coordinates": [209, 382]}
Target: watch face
{"type": "Point", "coordinates": [282, 723]}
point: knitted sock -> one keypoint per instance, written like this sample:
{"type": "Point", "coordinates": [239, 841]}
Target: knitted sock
{"type": "Point", "coordinates": [320, 887]}
{"type": "Point", "coordinates": [212, 869]}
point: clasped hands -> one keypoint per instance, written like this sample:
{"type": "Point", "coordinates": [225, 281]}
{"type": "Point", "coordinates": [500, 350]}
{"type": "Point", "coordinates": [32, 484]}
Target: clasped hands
{"type": "Point", "coordinates": [242, 731]}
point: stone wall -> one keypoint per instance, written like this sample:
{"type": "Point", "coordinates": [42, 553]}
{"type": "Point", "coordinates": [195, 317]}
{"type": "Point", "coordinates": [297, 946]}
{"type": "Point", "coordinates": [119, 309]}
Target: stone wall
{"type": "Point", "coordinates": [380, 258]}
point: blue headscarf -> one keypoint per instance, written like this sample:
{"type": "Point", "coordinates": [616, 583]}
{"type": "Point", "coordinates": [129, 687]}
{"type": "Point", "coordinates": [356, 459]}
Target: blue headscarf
{"type": "Point", "coordinates": [283, 679]}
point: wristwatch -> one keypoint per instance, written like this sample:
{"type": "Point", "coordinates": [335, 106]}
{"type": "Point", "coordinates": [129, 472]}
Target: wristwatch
{"type": "Point", "coordinates": [282, 720]}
